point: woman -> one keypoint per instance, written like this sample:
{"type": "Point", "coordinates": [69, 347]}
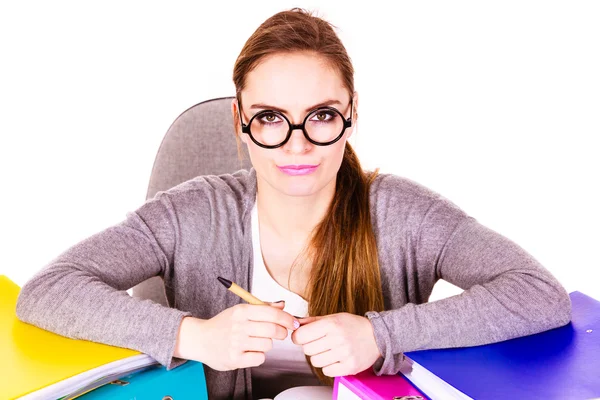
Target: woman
{"type": "Point", "coordinates": [357, 252]}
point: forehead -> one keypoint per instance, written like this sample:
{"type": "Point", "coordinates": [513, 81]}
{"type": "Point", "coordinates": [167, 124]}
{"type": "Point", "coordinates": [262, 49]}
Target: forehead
{"type": "Point", "coordinates": [293, 81]}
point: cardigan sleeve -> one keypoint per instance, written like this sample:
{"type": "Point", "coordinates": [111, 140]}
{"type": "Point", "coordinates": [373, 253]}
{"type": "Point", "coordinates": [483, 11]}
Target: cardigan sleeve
{"type": "Point", "coordinates": [507, 293]}
{"type": "Point", "coordinates": [82, 293]}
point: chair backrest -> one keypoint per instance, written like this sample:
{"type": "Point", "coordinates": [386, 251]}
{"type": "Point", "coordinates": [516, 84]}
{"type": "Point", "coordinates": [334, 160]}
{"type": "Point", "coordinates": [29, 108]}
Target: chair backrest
{"type": "Point", "coordinates": [200, 141]}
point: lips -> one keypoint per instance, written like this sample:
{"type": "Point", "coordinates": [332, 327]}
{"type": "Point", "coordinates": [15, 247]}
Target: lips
{"type": "Point", "coordinates": [295, 170]}
{"type": "Point", "coordinates": [298, 166]}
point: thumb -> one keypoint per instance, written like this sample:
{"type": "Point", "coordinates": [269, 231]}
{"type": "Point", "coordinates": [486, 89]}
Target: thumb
{"type": "Point", "coordinates": [277, 304]}
{"type": "Point", "coordinates": [308, 320]}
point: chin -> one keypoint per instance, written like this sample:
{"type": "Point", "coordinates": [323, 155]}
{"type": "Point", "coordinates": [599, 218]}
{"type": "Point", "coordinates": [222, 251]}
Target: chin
{"type": "Point", "coordinates": [298, 189]}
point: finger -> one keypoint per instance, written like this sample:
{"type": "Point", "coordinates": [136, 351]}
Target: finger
{"type": "Point", "coordinates": [326, 358]}
{"type": "Point", "coordinates": [335, 369]}
{"type": "Point", "coordinates": [308, 320]}
{"type": "Point", "coordinates": [251, 359]}
{"type": "Point", "coordinates": [310, 332]}
{"type": "Point", "coordinates": [272, 314]}
{"type": "Point", "coordinates": [258, 344]}
{"type": "Point", "coordinates": [266, 330]}
{"type": "Point", "coordinates": [318, 346]}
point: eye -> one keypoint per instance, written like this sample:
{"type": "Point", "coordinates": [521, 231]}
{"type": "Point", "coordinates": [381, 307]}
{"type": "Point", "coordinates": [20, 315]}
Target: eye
{"type": "Point", "coordinates": [322, 116]}
{"type": "Point", "coordinates": [268, 118]}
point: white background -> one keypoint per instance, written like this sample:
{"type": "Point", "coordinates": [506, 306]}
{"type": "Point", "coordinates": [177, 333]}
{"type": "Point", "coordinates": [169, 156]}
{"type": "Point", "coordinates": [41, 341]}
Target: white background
{"type": "Point", "coordinates": [494, 105]}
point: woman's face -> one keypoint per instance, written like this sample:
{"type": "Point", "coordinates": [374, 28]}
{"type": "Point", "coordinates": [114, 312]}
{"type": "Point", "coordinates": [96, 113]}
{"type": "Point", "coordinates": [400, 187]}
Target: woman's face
{"type": "Point", "coordinates": [294, 83]}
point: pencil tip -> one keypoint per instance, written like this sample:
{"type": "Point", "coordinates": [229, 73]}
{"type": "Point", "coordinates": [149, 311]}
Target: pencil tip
{"type": "Point", "coordinates": [225, 282]}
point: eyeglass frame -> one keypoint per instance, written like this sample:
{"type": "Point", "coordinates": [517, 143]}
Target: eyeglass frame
{"type": "Point", "coordinates": [293, 127]}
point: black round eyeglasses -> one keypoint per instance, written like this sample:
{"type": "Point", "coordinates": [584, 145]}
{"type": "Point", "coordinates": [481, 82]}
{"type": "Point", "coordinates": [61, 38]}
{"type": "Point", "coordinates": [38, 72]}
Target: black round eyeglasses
{"type": "Point", "coordinates": [322, 126]}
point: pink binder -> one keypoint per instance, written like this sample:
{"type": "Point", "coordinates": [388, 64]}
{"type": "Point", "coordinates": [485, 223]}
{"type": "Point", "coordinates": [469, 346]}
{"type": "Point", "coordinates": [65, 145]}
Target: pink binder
{"type": "Point", "coordinates": [368, 386]}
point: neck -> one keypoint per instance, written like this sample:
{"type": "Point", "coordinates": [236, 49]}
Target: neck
{"type": "Point", "coordinates": [292, 217]}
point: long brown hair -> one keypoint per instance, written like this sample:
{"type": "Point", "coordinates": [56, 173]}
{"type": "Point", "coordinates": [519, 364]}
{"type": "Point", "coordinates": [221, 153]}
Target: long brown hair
{"type": "Point", "coordinates": [345, 271]}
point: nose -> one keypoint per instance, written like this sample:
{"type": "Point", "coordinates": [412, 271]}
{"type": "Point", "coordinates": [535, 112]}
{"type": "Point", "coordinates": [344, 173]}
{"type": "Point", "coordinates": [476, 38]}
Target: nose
{"type": "Point", "coordinates": [298, 143]}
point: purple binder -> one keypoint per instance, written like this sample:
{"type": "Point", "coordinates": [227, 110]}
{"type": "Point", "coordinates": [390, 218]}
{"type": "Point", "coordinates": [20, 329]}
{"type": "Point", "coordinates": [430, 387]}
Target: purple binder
{"type": "Point", "coordinates": [562, 363]}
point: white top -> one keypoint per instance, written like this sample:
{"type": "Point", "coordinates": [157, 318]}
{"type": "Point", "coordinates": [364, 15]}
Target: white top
{"type": "Point", "coordinates": [285, 365]}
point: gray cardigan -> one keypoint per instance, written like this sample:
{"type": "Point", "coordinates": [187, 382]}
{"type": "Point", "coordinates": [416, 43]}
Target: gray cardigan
{"type": "Point", "coordinates": [200, 229]}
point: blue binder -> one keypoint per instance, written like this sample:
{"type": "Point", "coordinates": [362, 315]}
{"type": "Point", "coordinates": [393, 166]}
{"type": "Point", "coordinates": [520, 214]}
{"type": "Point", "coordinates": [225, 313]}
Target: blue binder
{"type": "Point", "coordinates": [185, 382]}
{"type": "Point", "coordinates": [562, 363]}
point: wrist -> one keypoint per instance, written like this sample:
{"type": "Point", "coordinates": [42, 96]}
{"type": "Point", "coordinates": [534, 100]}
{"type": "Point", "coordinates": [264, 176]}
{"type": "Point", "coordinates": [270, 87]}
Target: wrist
{"type": "Point", "coordinates": [188, 338]}
{"type": "Point", "coordinates": [375, 345]}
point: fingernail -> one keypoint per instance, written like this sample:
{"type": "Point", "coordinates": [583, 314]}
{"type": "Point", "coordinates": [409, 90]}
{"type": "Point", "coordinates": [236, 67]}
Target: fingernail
{"type": "Point", "coordinates": [280, 301]}
{"type": "Point", "coordinates": [296, 324]}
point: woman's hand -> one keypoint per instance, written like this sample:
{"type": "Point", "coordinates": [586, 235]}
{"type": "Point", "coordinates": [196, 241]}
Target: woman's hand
{"type": "Point", "coordinates": [238, 337]}
{"type": "Point", "coordinates": [341, 344]}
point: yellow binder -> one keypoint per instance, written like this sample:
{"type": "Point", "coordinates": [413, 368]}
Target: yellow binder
{"type": "Point", "coordinates": [32, 358]}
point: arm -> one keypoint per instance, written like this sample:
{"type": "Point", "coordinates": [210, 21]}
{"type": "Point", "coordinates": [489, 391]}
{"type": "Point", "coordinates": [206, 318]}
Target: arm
{"type": "Point", "coordinates": [507, 292]}
{"type": "Point", "coordinates": [82, 293]}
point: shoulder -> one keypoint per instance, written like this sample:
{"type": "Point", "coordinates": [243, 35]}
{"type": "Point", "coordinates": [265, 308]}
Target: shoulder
{"type": "Point", "coordinates": [237, 183]}
{"type": "Point", "coordinates": [234, 192]}
{"type": "Point", "coordinates": [399, 199]}
{"type": "Point", "coordinates": [397, 189]}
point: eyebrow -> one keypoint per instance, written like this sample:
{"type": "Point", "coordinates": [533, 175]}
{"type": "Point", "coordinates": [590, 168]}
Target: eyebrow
{"type": "Point", "coordinates": [281, 110]}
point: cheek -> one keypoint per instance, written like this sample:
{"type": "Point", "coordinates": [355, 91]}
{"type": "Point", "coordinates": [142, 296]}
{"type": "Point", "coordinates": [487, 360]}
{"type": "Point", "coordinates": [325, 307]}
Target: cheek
{"type": "Point", "coordinates": [338, 151]}
{"type": "Point", "coordinates": [331, 155]}
{"type": "Point", "coordinates": [258, 155]}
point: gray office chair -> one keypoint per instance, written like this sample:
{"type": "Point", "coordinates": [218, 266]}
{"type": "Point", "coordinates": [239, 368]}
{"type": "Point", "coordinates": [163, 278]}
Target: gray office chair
{"type": "Point", "coordinates": [201, 141]}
